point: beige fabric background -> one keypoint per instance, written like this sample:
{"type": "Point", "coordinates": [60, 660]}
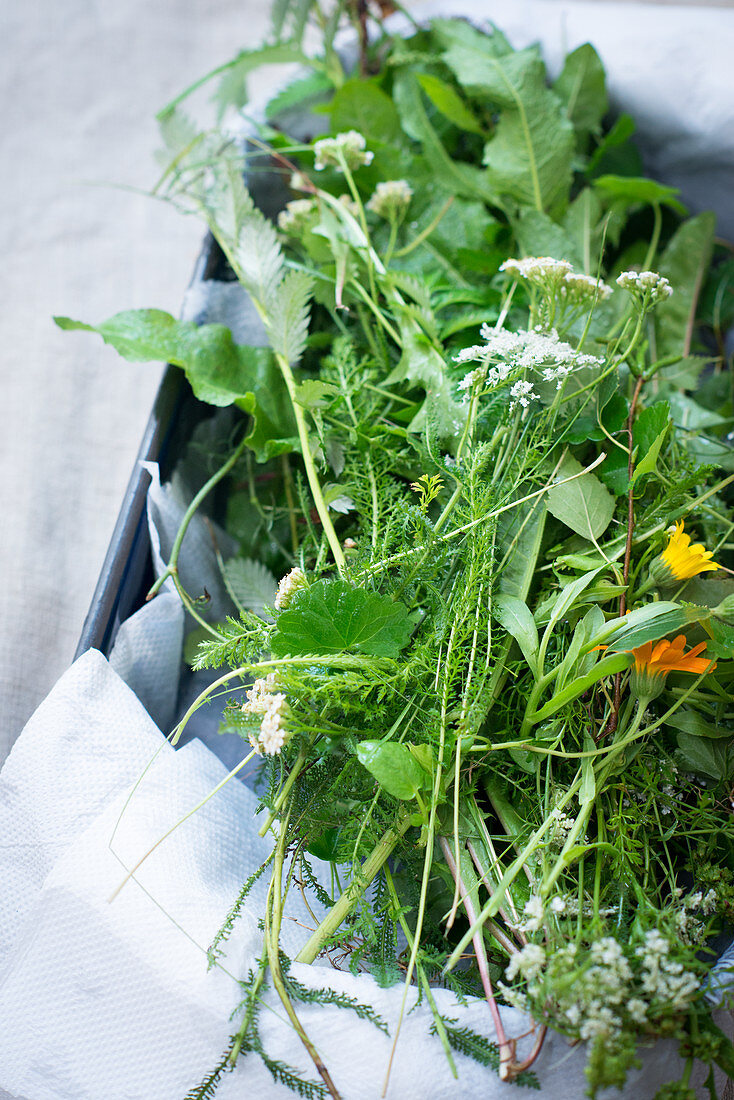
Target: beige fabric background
{"type": "Point", "coordinates": [81, 81]}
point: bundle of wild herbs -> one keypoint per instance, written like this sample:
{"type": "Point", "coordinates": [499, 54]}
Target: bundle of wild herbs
{"type": "Point", "coordinates": [485, 452]}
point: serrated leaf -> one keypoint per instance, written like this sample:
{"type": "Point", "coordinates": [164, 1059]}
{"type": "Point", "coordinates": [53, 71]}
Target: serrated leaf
{"type": "Point", "coordinates": [314, 394]}
{"type": "Point", "coordinates": [298, 94]}
{"type": "Point", "coordinates": [251, 584]}
{"type": "Point", "coordinates": [581, 87]}
{"type": "Point", "coordinates": [685, 263]}
{"type": "Point", "coordinates": [450, 104]}
{"type": "Point", "coordinates": [232, 88]}
{"type": "Point", "coordinates": [289, 314]}
{"type": "Point", "coordinates": [332, 617]}
{"type": "Point", "coordinates": [394, 767]}
{"type": "Point", "coordinates": [583, 505]}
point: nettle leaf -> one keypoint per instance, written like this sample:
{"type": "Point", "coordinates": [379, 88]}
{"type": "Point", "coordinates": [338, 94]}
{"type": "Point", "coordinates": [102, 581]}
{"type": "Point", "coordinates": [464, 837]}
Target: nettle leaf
{"type": "Point", "coordinates": [251, 584]}
{"type": "Point", "coordinates": [685, 262]}
{"type": "Point", "coordinates": [581, 87]}
{"type": "Point", "coordinates": [450, 104]}
{"type": "Point", "coordinates": [583, 504]}
{"type": "Point", "coordinates": [394, 767]}
{"type": "Point", "coordinates": [219, 371]}
{"type": "Point", "coordinates": [332, 616]}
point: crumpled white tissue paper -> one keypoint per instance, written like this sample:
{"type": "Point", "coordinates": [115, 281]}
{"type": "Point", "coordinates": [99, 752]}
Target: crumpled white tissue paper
{"type": "Point", "coordinates": [106, 1000]}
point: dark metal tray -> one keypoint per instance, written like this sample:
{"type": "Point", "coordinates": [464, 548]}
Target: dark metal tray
{"type": "Point", "coordinates": [127, 571]}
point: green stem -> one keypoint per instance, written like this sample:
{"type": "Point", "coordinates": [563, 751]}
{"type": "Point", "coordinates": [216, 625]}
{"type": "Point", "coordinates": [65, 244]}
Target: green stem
{"type": "Point", "coordinates": [311, 474]}
{"type": "Point", "coordinates": [339, 912]}
{"type": "Point", "coordinates": [172, 567]}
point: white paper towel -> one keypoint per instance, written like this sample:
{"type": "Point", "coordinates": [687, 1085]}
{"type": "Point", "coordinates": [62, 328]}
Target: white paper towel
{"type": "Point", "coordinates": [113, 1001]}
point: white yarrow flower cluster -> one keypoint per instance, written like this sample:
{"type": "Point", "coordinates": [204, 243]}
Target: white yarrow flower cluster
{"type": "Point", "coordinates": [349, 148]}
{"type": "Point", "coordinates": [391, 198]}
{"type": "Point", "coordinates": [662, 978]}
{"type": "Point", "coordinates": [537, 269]}
{"type": "Point", "coordinates": [288, 586]}
{"type": "Point", "coordinates": [527, 963]}
{"type": "Point", "coordinates": [270, 706]}
{"type": "Point", "coordinates": [531, 349]}
{"type": "Point", "coordinates": [259, 694]}
{"type": "Point", "coordinates": [557, 277]}
{"type": "Point", "coordinates": [272, 729]}
{"type": "Point", "coordinates": [533, 913]}
{"type": "Point", "coordinates": [647, 285]}
{"type": "Point", "coordinates": [577, 287]}
{"type": "Point", "coordinates": [296, 216]}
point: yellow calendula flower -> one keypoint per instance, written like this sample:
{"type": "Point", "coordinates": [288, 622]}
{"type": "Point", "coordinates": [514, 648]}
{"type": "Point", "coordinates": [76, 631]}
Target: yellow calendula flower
{"type": "Point", "coordinates": [679, 560]}
{"type": "Point", "coordinates": [654, 660]}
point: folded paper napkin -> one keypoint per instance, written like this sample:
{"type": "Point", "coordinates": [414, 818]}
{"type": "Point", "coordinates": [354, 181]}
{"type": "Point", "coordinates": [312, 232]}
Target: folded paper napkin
{"type": "Point", "coordinates": [112, 1000]}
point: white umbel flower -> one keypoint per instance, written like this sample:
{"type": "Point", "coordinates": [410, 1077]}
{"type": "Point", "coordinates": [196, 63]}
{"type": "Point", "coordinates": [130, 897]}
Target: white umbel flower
{"type": "Point", "coordinates": [288, 586]}
{"type": "Point", "coordinates": [650, 286]}
{"type": "Point", "coordinates": [522, 393]}
{"type": "Point", "coordinates": [580, 288]}
{"type": "Point", "coordinates": [391, 198]}
{"type": "Point", "coordinates": [349, 148]}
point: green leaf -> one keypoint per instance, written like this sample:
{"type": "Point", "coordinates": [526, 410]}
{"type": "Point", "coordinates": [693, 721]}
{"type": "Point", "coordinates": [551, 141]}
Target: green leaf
{"type": "Point", "coordinates": [515, 616]}
{"type": "Point", "coordinates": [362, 105]}
{"type": "Point", "coordinates": [705, 757]}
{"type": "Point", "coordinates": [538, 234]}
{"type": "Point", "coordinates": [394, 767]}
{"type": "Point", "coordinates": [422, 364]}
{"type": "Point", "coordinates": [299, 94]}
{"type": "Point", "coordinates": [289, 314]}
{"type": "Point", "coordinates": [583, 504]}
{"type": "Point", "coordinates": [530, 156]}
{"type": "Point", "coordinates": [649, 623]}
{"type": "Point", "coordinates": [449, 173]}
{"type": "Point", "coordinates": [314, 394]}
{"type": "Point", "coordinates": [587, 790]}
{"type": "Point", "coordinates": [251, 584]}
{"type": "Point", "coordinates": [581, 87]}
{"type": "Point", "coordinates": [685, 262]}
{"type": "Point", "coordinates": [232, 88]}
{"type": "Point", "coordinates": [219, 371]}
{"type": "Point", "coordinates": [614, 471]}
{"type": "Point", "coordinates": [331, 617]}
{"type": "Point", "coordinates": [616, 153]}
{"type": "Point", "coordinates": [648, 426]}
{"type": "Point", "coordinates": [633, 191]}
{"type": "Point", "coordinates": [693, 723]}
{"type": "Point", "coordinates": [450, 104]}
